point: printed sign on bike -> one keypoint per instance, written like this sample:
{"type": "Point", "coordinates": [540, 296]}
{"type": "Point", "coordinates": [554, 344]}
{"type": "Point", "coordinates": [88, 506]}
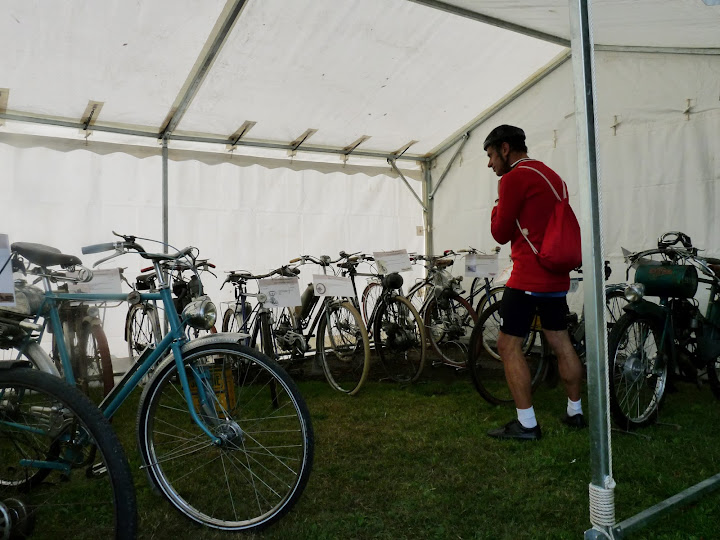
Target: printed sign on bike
{"type": "Point", "coordinates": [7, 288]}
{"type": "Point", "coordinates": [280, 292]}
{"type": "Point", "coordinates": [105, 281]}
{"type": "Point", "coordinates": [392, 261]}
{"type": "Point", "coordinates": [482, 266]}
{"type": "Point", "coordinates": [332, 286]}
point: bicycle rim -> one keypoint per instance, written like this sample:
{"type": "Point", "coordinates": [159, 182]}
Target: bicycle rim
{"type": "Point", "coordinates": [449, 329]}
{"type": "Point", "coordinates": [399, 337]}
{"type": "Point", "coordinates": [45, 422]}
{"type": "Point", "coordinates": [344, 348]}
{"type": "Point", "coordinates": [259, 471]}
{"type": "Point", "coordinates": [638, 373]}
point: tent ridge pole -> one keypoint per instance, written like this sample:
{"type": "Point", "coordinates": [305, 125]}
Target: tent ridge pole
{"type": "Point", "coordinates": [493, 21]}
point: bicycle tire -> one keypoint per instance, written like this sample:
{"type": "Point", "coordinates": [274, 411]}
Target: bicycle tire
{"type": "Point", "coordinates": [103, 357]}
{"type": "Point", "coordinates": [369, 299]}
{"type": "Point", "coordinates": [399, 337]}
{"type": "Point", "coordinates": [41, 401]}
{"type": "Point", "coordinates": [492, 325]}
{"type": "Point", "coordinates": [638, 374]}
{"type": "Point", "coordinates": [263, 421]}
{"type": "Point", "coordinates": [614, 302]}
{"type": "Point", "coordinates": [142, 329]}
{"type": "Point", "coordinates": [713, 373]}
{"type": "Point", "coordinates": [449, 327]}
{"type": "Point", "coordinates": [344, 347]}
{"type": "Point", "coordinates": [493, 296]}
{"type": "Point", "coordinates": [488, 373]}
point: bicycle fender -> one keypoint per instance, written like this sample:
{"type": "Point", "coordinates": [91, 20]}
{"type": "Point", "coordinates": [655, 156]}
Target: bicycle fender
{"type": "Point", "coordinates": [643, 307]}
{"type": "Point", "coordinates": [190, 346]}
{"type": "Point", "coordinates": [40, 359]}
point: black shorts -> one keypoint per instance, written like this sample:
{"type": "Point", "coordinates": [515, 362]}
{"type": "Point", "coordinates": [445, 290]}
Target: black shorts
{"type": "Point", "coordinates": [518, 308]}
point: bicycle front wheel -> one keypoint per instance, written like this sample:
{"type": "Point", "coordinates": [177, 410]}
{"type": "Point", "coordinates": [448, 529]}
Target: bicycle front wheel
{"type": "Point", "coordinates": [487, 370]}
{"type": "Point", "coordinates": [260, 468]}
{"type": "Point", "coordinates": [399, 337]}
{"type": "Point", "coordinates": [637, 371]}
{"type": "Point", "coordinates": [344, 347]}
{"type": "Point", "coordinates": [449, 323]}
{"type": "Point", "coordinates": [46, 488]}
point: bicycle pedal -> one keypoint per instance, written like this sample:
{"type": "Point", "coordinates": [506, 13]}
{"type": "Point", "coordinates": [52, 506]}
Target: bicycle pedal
{"type": "Point", "coordinates": [96, 470]}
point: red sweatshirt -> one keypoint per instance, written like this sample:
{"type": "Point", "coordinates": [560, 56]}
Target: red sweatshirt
{"type": "Point", "coordinates": [525, 196]}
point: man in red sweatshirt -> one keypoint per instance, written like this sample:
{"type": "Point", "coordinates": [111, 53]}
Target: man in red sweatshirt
{"type": "Point", "coordinates": [522, 211]}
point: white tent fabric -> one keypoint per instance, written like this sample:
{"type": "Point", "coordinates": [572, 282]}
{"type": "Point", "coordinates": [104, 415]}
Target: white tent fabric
{"type": "Point", "coordinates": [658, 164]}
{"type": "Point", "coordinates": [626, 23]}
{"type": "Point", "coordinates": [248, 217]}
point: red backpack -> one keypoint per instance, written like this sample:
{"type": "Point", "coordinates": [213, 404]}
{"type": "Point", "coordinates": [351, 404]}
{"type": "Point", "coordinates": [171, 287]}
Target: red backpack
{"type": "Point", "coordinates": [560, 251]}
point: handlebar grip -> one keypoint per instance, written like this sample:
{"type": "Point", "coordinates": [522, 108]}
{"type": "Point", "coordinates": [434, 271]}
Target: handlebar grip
{"type": "Point", "coordinates": [98, 248]}
{"type": "Point", "coordinates": [296, 259]}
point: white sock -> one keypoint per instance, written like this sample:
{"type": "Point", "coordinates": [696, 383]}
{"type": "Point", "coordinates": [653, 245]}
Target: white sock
{"type": "Point", "coordinates": [527, 417]}
{"type": "Point", "coordinates": [574, 407]}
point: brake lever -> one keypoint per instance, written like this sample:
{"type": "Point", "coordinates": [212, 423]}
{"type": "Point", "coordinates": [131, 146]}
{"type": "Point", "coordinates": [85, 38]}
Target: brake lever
{"type": "Point", "coordinates": [118, 252]}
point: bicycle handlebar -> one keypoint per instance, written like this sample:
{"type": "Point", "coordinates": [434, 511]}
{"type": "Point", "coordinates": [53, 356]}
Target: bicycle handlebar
{"type": "Point", "coordinates": [99, 248]}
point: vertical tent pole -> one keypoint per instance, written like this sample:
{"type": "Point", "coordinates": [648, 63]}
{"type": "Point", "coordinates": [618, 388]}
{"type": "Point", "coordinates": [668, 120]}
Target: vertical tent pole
{"type": "Point", "coordinates": [428, 208]}
{"type": "Point", "coordinates": [602, 501]}
{"type": "Point", "coordinates": [165, 194]}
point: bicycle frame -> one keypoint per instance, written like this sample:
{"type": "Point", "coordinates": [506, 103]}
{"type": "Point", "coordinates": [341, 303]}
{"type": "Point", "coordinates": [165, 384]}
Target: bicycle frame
{"type": "Point", "coordinates": [171, 342]}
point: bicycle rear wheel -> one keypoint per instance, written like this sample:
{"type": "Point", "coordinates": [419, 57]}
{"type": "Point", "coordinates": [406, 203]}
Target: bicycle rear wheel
{"type": "Point", "coordinates": [488, 372]}
{"type": "Point", "coordinates": [142, 329]}
{"type": "Point", "coordinates": [46, 428]}
{"type": "Point", "coordinates": [448, 324]}
{"type": "Point", "coordinates": [399, 336]}
{"type": "Point", "coordinates": [344, 347]}
{"type": "Point", "coordinates": [263, 463]}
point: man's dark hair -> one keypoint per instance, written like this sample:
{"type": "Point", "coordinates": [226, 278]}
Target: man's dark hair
{"type": "Point", "coordinates": [514, 136]}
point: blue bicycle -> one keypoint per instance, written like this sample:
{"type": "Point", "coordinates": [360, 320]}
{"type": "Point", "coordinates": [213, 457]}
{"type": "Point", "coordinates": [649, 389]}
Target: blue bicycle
{"type": "Point", "coordinates": [223, 431]}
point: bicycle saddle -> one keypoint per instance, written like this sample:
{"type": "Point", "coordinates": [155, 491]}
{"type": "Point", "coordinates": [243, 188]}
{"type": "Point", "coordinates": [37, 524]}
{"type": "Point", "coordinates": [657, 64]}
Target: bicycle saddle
{"type": "Point", "coordinates": [43, 255]}
{"type": "Point", "coordinates": [443, 263]}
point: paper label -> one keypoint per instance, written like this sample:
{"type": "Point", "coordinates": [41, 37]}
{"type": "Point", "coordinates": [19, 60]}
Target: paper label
{"type": "Point", "coordinates": [482, 266]}
{"type": "Point", "coordinates": [389, 262]}
{"type": "Point", "coordinates": [333, 286]}
{"type": "Point", "coordinates": [104, 281]}
{"type": "Point", "coordinates": [280, 292]}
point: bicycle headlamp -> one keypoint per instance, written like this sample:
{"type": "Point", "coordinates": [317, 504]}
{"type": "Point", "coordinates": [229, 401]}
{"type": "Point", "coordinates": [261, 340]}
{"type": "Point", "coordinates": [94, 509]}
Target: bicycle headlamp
{"type": "Point", "coordinates": [201, 313]}
{"type": "Point", "coordinates": [634, 292]}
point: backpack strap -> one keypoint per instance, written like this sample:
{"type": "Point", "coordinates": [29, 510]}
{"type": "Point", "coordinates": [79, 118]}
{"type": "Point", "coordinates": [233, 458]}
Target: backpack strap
{"type": "Point", "coordinates": [524, 232]}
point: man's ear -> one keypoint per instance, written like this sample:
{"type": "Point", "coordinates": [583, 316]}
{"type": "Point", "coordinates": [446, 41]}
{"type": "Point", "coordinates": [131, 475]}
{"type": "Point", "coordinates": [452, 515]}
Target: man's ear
{"type": "Point", "coordinates": [505, 149]}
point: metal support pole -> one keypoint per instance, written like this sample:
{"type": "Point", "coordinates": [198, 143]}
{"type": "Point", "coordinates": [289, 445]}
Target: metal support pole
{"type": "Point", "coordinates": [428, 209]}
{"type": "Point", "coordinates": [602, 502]}
{"type": "Point", "coordinates": [402, 177]}
{"type": "Point", "coordinates": [165, 194]}
{"type": "Point", "coordinates": [450, 164]}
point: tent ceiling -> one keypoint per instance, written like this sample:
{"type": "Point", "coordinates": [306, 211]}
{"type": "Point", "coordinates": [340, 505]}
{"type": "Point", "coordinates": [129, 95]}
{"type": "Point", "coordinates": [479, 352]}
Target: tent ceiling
{"type": "Point", "coordinates": [395, 71]}
{"type": "Point", "coordinates": [622, 23]}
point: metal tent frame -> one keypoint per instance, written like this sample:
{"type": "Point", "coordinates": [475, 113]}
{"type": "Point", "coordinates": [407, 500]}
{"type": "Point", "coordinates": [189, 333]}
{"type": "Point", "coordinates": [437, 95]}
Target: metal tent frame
{"type": "Point", "coordinates": [581, 48]}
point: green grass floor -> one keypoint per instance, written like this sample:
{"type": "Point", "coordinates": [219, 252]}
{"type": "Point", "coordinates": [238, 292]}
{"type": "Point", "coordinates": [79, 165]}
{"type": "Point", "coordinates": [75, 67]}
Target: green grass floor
{"type": "Point", "coordinates": [415, 462]}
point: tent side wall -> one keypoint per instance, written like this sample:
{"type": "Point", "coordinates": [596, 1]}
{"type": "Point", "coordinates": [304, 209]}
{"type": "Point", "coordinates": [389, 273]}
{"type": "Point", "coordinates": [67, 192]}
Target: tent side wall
{"type": "Point", "coordinates": [658, 160]}
{"type": "Point", "coordinates": [240, 217]}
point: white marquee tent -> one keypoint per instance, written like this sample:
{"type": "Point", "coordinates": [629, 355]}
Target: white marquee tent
{"type": "Point", "coordinates": [260, 130]}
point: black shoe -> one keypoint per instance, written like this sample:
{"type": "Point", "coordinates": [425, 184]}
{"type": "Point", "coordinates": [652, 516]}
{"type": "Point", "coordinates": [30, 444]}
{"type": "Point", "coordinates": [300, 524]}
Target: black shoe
{"type": "Point", "coordinates": [576, 421]}
{"type": "Point", "coordinates": [515, 430]}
